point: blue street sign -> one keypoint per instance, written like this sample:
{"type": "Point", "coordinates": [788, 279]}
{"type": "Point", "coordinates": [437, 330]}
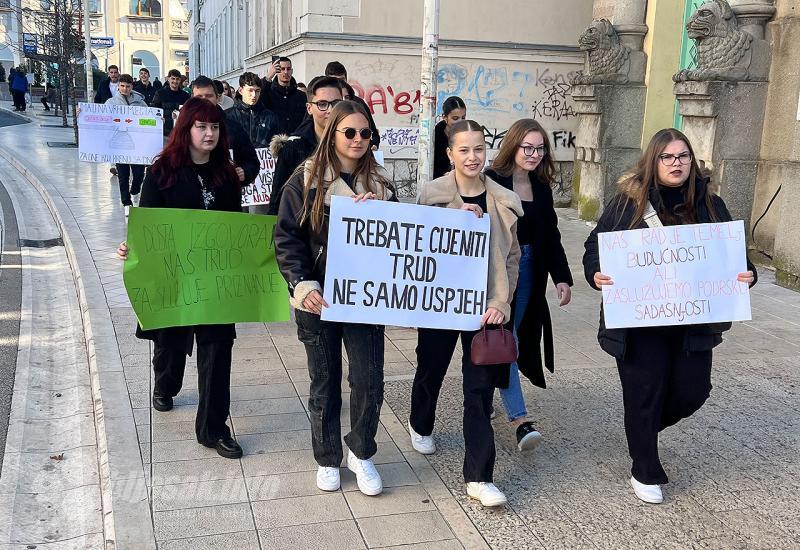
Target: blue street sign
{"type": "Point", "coordinates": [30, 43]}
{"type": "Point", "coordinates": [102, 42]}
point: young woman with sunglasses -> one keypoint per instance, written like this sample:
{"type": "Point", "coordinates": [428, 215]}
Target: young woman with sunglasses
{"type": "Point", "coordinates": [453, 110]}
{"type": "Point", "coordinates": [341, 165]}
{"type": "Point", "coordinates": [665, 371]}
{"type": "Point", "coordinates": [194, 171]}
{"type": "Point", "coordinates": [466, 188]}
{"type": "Point", "coordinates": [524, 164]}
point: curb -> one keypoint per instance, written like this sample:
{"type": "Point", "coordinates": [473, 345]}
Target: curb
{"type": "Point", "coordinates": [17, 114]}
{"type": "Point", "coordinates": [115, 453]}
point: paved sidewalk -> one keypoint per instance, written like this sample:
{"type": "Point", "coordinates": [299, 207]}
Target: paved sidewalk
{"type": "Point", "coordinates": [734, 466]}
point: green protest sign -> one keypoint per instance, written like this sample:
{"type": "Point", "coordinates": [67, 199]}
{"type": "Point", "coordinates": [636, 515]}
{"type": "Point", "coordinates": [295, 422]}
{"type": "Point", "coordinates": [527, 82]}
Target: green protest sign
{"type": "Point", "coordinates": [198, 267]}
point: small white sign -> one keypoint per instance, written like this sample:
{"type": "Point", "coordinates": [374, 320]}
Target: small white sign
{"type": "Point", "coordinates": [119, 133]}
{"type": "Point", "coordinates": [675, 275]}
{"type": "Point", "coordinates": [406, 265]}
{"type": "Point", "coordinates": [260, 190]}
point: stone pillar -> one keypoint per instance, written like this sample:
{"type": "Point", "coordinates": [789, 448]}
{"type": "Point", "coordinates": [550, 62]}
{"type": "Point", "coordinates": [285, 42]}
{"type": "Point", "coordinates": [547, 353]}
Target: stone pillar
{"type": "Point", "coordinates": [722, 100]}
{"type": "Point", "coordinates": [609, 98]}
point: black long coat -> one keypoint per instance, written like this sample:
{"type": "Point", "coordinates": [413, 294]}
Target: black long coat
{"type": "Point", "coordinates": [186, 193]}
{"type": "Point", "coordinates": [617, 216]}
{"type": "Point", "coordinates": [550, 259]}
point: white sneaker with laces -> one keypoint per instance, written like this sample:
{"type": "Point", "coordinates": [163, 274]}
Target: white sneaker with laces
{"type": "Point", "coordinates": [486, 493]}
{"type": "Point", "coordinates": [328, 478]}
{"type": "Point", "coordinates": [127, 210]}
{"type": "Point", "coordinates": [367, 477]}
{"type": "Point", "coordinates": [647, 493]}
{"type": "Point", "coordinates": [423, 444]}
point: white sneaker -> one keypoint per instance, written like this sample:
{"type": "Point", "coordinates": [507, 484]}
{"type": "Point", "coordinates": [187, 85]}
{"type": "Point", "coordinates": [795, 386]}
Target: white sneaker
{"type": "Point", "coordinates": [127, 210]}
{"type": "Point", "coordinates": [487, 493]}
{"type": "Point", "coordinates": [647, 493]}
{"type": "Point", "coordinates": [135, 199]}
{"type": "Point", "coordinates": [368, 478]}
{"type": "Point", "coordinates": [328, 478]}
{"type": "Point", "coordinates": [423, 444]}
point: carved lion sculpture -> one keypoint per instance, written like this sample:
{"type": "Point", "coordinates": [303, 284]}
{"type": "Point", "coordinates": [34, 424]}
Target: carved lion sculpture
{"type": "Point", "coordinates": [723, 50]}
{"type": "Point", "coordinates": [607, 61]}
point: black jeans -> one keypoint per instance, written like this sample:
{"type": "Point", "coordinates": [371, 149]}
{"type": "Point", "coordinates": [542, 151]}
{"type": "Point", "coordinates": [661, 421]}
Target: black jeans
{"type": "Point", "coordinates": [126, 186]}
{"type": "Point", "coordinates": [19, 99]}
{"type": "Point", "coordinates": [213, 381]}
{"type": "Point", "coordinates": [661, 385]}
{"type": "Point", "coordinates": [434, 351]}
{"type": "Point", "coordinates": [364, 345]}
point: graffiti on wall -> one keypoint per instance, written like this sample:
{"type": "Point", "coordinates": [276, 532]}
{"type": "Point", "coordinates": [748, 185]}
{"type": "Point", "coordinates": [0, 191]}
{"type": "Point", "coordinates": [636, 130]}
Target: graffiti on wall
{"type": "Point", "coordinates": [495, 95]}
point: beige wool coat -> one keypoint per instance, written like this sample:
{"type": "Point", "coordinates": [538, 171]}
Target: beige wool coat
{"type": "Point", "coordinates": [504, 208]}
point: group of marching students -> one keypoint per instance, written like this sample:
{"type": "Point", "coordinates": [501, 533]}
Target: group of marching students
{"type": "Point", "coordinates": [665, 372]}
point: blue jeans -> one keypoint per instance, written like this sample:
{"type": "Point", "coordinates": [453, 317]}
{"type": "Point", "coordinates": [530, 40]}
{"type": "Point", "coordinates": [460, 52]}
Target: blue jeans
{"type": "Point", "coordinates": [513, 402]}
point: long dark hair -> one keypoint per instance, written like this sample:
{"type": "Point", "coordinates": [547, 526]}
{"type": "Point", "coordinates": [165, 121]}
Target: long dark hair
{"type": "Point", "coordinates": [504, 162]}
{"type": "Point", "coordinates": [451, 104]}
{"type": "Point", "coordinates": [636, 185]}
{"type": "Point", "coordinates": [176, 156]}
{"type": "Point", "coordinates": [325, 166]}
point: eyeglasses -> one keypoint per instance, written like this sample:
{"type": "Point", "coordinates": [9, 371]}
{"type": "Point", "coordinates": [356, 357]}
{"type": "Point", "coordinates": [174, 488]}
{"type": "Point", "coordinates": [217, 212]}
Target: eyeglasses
{"type": "Point", "coordinates": [350, 133]}
{"type": "Point", "coordinates": [323, 104]}
{"type": "Point", "coordinates": [529, 150]}
{"type": "Point", "coordinates": [669, 160]}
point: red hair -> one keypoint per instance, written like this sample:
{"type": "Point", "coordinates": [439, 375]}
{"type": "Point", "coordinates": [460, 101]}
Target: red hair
{"type": "Point", "coordinates": [176, 156]}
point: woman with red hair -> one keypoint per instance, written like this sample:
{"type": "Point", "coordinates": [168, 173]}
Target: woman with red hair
{"type": "Point", "coordinates": [194, 171]}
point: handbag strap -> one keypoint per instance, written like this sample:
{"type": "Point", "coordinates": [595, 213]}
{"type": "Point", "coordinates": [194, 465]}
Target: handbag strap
{"type": "Point", "coordinates": [651, 217]}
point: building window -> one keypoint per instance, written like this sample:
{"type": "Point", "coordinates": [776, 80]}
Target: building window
{"type": "Point", "coordinates": [5, 3]}
{"type": "Point", "coordinates": [148, 8]}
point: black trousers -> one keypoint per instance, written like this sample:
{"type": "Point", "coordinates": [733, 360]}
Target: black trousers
{"type": "Point", "coordinates": [19, 99]}
{"type": "Point", "coordinates": [661, 385]}
{"type": "Point", "coordinates": [213, 381]}
{"type": "Point", "coordinates": [364, 344]}
{"type": "Point", "coordinates": [126, 186]}
{"type": "Point", "coordinates": [434, 350]}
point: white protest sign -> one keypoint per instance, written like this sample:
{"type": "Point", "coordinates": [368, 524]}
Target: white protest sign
{"type": "Point", "coordinates": [119, 133]}
{"type": "Point", "coordinates": [260, 190]}
{"type": "Point", "coordinates": [406, 265]}
{"type": "Point", "coordinates": [676, 275]}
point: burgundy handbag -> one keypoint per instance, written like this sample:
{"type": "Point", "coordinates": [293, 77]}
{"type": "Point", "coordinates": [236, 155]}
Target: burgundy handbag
{"type": "Point", "coordinates": [493, 347]}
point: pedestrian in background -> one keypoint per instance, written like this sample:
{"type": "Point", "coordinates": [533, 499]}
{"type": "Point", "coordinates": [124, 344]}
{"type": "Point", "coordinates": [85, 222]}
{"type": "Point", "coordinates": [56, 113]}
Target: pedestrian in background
{"type": "Point", "coordinates": [665, 371]}
{"type": "Point", "coordinates": [279, 94]}
{"type": "Point", "coordinates": [524, 164]}
{"type": "Point", "coordinates": [466, 188]}
{"type": "Point", "coordinates": [337, 70]}
{"type": "Point", "coordinates": [289, 152]}
{"type": "Point", "coordinates": [225, 101]}
{"type": "Point", "coordinates": [341, 165]}
{"type": "Point", "coordinates": [144, 86]}
{"type": "Point", "coordinates": [49, 96]}
{"type": "Point", "coordinates": [169, 98]}
{"type": "Point", "coordinates": [19, 87]}
{"type": "Point", "coordinates": [194, 171]}
{"type": "Point", "coordinates": [453, 110]}
{"type": "Point", "coordinates": [130, 176]}
{"type": "Point", "coordinates": [108, 86]}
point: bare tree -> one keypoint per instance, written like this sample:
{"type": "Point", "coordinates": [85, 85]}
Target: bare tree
{"type": "Point", "coordinates": [54, 27]}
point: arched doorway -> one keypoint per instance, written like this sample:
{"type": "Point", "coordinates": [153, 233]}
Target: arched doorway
{"type": "Point", "coordinates": [144, 58]}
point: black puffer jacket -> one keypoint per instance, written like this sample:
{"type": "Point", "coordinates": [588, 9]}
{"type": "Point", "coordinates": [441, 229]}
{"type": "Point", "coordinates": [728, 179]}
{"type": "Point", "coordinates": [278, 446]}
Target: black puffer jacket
{"type": "Point", "coordinates": [244, 154]}
{"type": "Point", "coordinates": [617, 217]}
{"type": "Point", "coordinates": [300, 251]}
{"type": "Point", "coordinates": [287, 102]}
{"type": "Point", "coordinates": [289, 152]}
{"type": "Point", "coordinates": [259, 124]}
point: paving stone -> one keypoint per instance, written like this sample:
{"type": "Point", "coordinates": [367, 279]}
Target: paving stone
{"type": "Point", "coordinates": [278, 463]}
{"type": "Point", "coordinates": [300, 510]}
{"type": "Point", "coordinates": [266, 406]}
{"type": "Point", "coordinates": [276, 441]}
{"type": "Point", "coordinates": [393, 500]}
{"type": "Point", "coordinates": [246, 540]}
{"type": "Point", "coordinates": [285, 485]}
{"type": "Point", "coordinates": [404, 529]}
{"type": "Point", "coordinates": [269, 423]}
{"type": "Point", "coordinates": [192, 471]}
{"type": "Point", "coordinates": [199, 494]}
{"type": "Point", "coordinates": [197, 522]}
{"type": "Point", "coordinates": [337, 535]}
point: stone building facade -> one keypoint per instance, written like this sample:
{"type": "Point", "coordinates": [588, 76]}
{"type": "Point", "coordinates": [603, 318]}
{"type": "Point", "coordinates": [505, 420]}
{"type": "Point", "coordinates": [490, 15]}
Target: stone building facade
{"type": "Point", "coordinates": [505, 62]}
